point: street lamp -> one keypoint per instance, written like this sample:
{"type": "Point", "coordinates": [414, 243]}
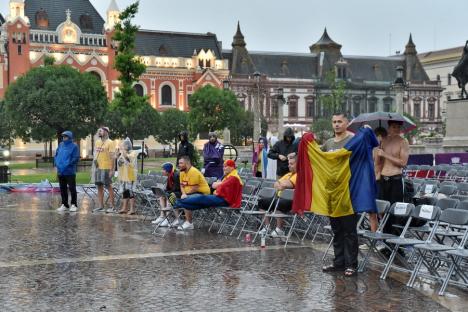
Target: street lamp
{"type": "Point", "coordinates": [282, 101]}
{"type": "Point", "coordinates": [399, 86]}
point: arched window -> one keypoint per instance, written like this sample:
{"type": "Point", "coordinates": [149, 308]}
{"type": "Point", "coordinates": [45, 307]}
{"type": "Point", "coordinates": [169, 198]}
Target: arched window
{"type": "Point", "coordinates": [310, 107]}
{"type": "Point", "coordinates": [96, 74]}
{"type": "Point", "coordinates": [166, 95]}
{"type": "Point", "coordinates": [417, 107]}
{"type": "Point", "coordinates": [139, 89]}
{"type": "Point", "coordinates": [293, 106]}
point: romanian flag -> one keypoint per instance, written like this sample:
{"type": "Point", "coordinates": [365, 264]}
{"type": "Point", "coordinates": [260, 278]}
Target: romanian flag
{"type": "Point", "coordinates": [337, 183]}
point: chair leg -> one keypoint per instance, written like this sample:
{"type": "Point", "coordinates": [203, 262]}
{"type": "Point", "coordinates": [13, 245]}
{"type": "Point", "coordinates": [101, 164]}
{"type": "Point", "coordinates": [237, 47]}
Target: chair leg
{"type": "Point", "coordinates": [449, 276]}
{"type": "Point", "coordinates": [328, 248]}
{"type": "Point", "coordinates": [416, 270]}
{"type": "Point", "coordinates": [389, 263]}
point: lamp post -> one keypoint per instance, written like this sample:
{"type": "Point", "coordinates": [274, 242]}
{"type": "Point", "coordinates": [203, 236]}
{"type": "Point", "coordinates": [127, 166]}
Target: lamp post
{"type": "Point", "coordinates": [256, 109]}
{"type": "Point", "coordinates": [399, 86]}
{"type": "Point", "coordinates": [281, 101]}
{"type": "Point", "coordinates": [226, 131]}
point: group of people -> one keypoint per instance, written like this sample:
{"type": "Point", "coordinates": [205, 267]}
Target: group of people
{"type": "Point", "coordinates": [187, 188]}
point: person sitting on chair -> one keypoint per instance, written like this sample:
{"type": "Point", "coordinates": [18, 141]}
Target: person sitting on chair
{"type": "Point", "coordinates": [172, 193]}
{"type": "Point", "coordinates": [228, 192]}
{"type": "Point", "coordinates": [288, 181]}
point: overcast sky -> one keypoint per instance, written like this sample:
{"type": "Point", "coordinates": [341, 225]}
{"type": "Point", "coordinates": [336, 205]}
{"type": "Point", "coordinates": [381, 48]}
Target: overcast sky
{"type": "Point", "coordinates": [363, 27]}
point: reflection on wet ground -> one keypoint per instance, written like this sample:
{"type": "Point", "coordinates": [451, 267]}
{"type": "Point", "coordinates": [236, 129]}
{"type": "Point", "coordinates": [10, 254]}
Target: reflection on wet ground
{"type": "Point", "coordinates": [90, 262]}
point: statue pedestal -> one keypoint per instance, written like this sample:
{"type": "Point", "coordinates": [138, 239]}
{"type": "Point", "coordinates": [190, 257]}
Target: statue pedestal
{"type": "Point", "coordinates": [456, 137]}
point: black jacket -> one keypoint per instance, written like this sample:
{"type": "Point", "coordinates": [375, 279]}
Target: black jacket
{"type": "Point", "coordinates": [185, 148]}
{"type": "Point", "coordinates": [284, 148]}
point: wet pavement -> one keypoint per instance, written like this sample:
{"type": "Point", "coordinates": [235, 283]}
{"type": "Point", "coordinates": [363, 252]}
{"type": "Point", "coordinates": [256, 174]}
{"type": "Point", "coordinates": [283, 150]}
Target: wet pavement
{"type": "Point", "coordinates": [96, 262]}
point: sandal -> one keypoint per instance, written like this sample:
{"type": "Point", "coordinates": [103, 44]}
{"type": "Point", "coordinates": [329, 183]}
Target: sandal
{"type": "Point", "coordinates": [131, 213]}
{"type": "Point", "coordinates": [349, 272]}
{"type": "Point", "coordinates": [123, 211]}
{"type": "Point", "coordinates": [332, 268]}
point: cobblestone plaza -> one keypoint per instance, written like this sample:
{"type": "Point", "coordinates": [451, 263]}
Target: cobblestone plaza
{"type": "Point", "coordinates": [96, 262]}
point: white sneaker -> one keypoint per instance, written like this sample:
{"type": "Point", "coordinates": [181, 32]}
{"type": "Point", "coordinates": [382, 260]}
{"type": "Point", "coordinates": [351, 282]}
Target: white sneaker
{"type": "Point", "coordinates": [175, 223]}
{"type": "Point", "coordinates": [110, 210]}
{"type": "Point", "coordinates": [277, 233]}
{"type": "Point", "coordinates": [73, 208]}
{"type": "Point", "coordinates": [363, 247]}
{"type": "Point", "coordinates": [158, 220]}
{"type": "Point", "coordinates": [62, 208]}
{"type": "Point", "coordinates": [186, 226]}
{"type": "Point", "coordinates": [262, 232]}
{"type": "Point", "coordinates": [165, 223]}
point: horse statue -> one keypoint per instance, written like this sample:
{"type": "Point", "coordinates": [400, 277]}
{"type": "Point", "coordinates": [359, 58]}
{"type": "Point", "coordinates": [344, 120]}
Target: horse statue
{"type": "Point", "coordinates": [460, 72]}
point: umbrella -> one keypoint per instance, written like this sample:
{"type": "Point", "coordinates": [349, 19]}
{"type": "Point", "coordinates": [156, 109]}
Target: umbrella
{"type": "Point", "coordinates": [380, 119]}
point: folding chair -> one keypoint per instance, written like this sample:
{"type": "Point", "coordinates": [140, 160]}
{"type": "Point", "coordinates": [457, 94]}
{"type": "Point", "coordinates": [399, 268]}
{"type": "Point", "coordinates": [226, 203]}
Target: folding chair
{"type": "Point", "coordinates": [447, 190]}
{"type": "Point", "coordinates": [448, 183]}
{"type": "Point", "coordinates": [411, 170]}
{"type": "Point", "coordinates": [397, 209]}
{"type": "Point", "coordinates": [422, 212]}
{"type": "Point", "coordinates": [430, 254]}
{"type": "Point", "coordinates": [424, 171]}
{"type": "Point", "coordinates": [462, 188]}
{"type": "Point", "coordinates": [169, 214]}
{"type": "Point", "coordinates": [446, 203]}
{"type": "Point", "coordinates": [460, 197]}
{"type": "Point", "coordinates": [463, 205]}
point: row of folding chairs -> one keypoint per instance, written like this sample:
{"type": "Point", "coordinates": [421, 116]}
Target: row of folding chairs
{"type": "Point", "coordinates": [438, 172]}
{"type": "Point", "coordinates": [437, 250]}
{"type": "Point", "coordinates": [448, 188]}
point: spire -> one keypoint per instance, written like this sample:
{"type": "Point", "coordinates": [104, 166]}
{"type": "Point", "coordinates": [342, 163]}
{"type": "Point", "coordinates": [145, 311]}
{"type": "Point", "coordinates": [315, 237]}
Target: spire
{"type": "Point", "coordinates": [410, 48]}
{"type": "Point", "coordinates": [238, 38]}
{"type": "Point", "coordinates": [325, 43]}
{"type": "Point", "coordinates": [113, 7]}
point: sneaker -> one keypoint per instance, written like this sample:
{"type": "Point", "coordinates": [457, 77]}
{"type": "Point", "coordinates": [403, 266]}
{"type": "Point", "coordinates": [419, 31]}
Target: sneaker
{"type": "Point", "coordinates": [73, 208]}
{"type": "Point", "coordinates": [62, 208]}
{"type": "Point", "coordinates": [363, 247]}
{"type": "Point", "coordinates": [186, 226]}
{"type": "Point", "coordinates": [164, 223]}
{"type": "Point", "coordinates": [98, 210]}
{"type": "Point", "coordinates": [262, 232]}
{"type": "Point", "coordinates": [176, 223]}
{"type": "Point", "coordinates": [158, 220]}
{"type": "Point", "coordinates": [277, 233]}
{"type": "Point", "coordinates": [111, 210]}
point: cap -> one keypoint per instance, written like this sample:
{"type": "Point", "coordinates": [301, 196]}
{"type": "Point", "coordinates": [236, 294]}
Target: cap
{"type": "Point", "coordinates": [105, 129]}
{"type": "Point", "coordinates": [167, 167]}
{"type": "Point", "coordinates": [230, 163]}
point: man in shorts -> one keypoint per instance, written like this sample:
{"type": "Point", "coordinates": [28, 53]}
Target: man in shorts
{"type": "Point", "coordinates": [104, 162]}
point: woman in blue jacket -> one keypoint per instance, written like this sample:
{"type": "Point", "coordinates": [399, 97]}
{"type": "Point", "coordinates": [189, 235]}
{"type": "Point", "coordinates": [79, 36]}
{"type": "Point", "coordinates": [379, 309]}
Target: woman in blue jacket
{"type": "Point", "coordinates": [66, 159]}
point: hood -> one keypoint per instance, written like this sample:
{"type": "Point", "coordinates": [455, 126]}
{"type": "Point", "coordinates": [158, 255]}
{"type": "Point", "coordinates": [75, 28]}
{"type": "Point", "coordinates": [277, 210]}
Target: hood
{"type": "Point", "coordinates": [289, 133]}
{"type": "Point", "coordinates": [183, 136]}
{"type": "Point", "coordinates": [69, 134]}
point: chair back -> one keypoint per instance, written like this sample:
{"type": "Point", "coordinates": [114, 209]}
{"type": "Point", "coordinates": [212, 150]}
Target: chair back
{"type": "Point", "coordinates": [401, 209]}
{"type": "Point", "coordinates": [248, 190]}
{"type": "Point", "coordinates": [462, 188]}
{"type": "Point", "coordinates": [463, 205]}
{"type": "Point", "coordinates": [446, 203]}
{"type": "Point", "coordinates": [426, 212]}
{"type": "Point", "coordinates": [268, 184]}
{"type": "Point", "coordinates": [267, 193]}
{"type": "Point", "coordinates": [287, 194]}
{"type": "Point", "coordinates": [448, 190]}
{"type": "Point", "coordinates": [454, 216]}
{"type": "Point", "coordinates": [382, 206]}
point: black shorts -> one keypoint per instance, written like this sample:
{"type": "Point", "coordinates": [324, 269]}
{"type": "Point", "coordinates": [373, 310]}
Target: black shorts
{"type": "Point", "coordinates": [284, 206]}
{"type": "Point", "coordinates": [391, 188]}
{"type": "Point", "coordinates": [127, 194]}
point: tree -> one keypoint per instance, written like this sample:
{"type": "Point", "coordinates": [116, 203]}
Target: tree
{"type": "Point", "coordinates": [322, 128]}
{"type": "Point", "coordinates": [48, 100]}
{"type": "Point", "coordinates": [333, 102]}
{"type": "Point", "coordinates": [5, 126]}
{"type": "Point", "coordinates": [147, 123]}
{"type": "Point", "coordinates": [212, 109]}
{"type": "Point", "coordinates": [127, 105]}
{"type": "Point", "coordinates": [173, 121]}
{"type": "Point", "coordinates": [242, 127]}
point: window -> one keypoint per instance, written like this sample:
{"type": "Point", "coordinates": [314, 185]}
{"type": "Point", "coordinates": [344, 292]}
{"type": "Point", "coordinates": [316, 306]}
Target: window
{"type": "Point", "coordinates": [293, 107]}
{"type": "Point", "coordinates": [417, 108]}
{"type": "Point", "coordinates": [166, 95]}
{"type": "Point", "coordinates": [373, 104]}
{"type": "Point", "coordinates": [449, 79]}
{"type": "Point", "coordinates": [208, 63]}
{"type": "Point", "coordinates": [86, 22]}
{"type": "Point", "coordinates": [356, 105]}
{"type": "Point", "coordinates": [20, 50]}
{"type": "Point", "coordinates": [387, 104]}
{"type": "Point", "coordinates": [431, 108]}
{"type": "Point", "coordinates": [95, 74]}
{"type": "Point", "coordinates": [139, 89]}
{"type": "Point", "coordinates": [310, 108]}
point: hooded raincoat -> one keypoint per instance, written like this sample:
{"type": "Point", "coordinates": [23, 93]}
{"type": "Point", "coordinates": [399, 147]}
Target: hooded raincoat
{"type": "Point", "coordinates": [67, 156]}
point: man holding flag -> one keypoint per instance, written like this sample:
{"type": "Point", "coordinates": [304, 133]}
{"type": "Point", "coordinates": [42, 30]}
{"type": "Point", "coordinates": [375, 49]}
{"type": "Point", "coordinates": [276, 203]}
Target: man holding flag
{"type": "Point", "coordinates": [338, 180]}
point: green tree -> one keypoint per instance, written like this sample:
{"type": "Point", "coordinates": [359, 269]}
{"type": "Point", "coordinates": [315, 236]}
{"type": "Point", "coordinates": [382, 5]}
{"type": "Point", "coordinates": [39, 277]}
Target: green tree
{"type": "Point", "coordinates": [332, 102]}
{"type": "Point", "coordinates": [414, 133]}
{"type": "Point", "coordinates": [242, 127]}
{"type": "Point", "coordinates": [323, 130]}
{"type": "Point", "coordinates": [146, 123]}
{"type": "Point", "coordinates": [127, 105]}
{"type": "Point", "coordinates": [212, 109]}
{"type": "Point", "coordinates": [6, 129]}
{"type": "Point", "coordinates": [48, 100]}
{"type": "Point", "coordinates": [173, 121]}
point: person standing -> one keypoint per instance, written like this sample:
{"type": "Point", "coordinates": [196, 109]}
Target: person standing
{"type": "Point", "coordinates": [345, 238]}
{"type": "Point", "coordinates": [213, 153]}
{"type": "Point", "coordinates": [103, 168]}
{"type": "Point", "coordinates": [281, 150]}
{"type": "Point", "coordinates": [185, 148]}
{"type": "Point", "coordinates": [66, 159]}
{"type": "Point", "coordinates": [260, 159]}
{"type": "Point", "coordinates": [128, 171]}
{"type": "Point", "coordinates": [271, 167]}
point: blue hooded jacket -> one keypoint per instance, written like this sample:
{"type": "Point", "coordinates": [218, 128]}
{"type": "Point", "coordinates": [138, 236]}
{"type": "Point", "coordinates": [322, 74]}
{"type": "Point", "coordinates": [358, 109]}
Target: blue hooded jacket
{"type": "Point", "coordinates": [67, 156]}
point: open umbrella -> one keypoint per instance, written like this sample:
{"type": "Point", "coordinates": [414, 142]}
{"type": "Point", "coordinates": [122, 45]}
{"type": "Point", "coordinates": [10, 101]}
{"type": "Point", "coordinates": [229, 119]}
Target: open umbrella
{"type": "Point", "coordinates": [380, 119]}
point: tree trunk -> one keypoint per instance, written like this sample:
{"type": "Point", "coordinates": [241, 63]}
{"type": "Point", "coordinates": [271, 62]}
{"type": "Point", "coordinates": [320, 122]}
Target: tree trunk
{"type": "Point", "coordinates": [50, 148]}
{"type": "Point", "coordinates": [175, 146]}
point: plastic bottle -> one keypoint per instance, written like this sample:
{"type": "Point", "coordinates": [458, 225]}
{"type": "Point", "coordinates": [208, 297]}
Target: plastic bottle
{"type": "Point", "coordinates": [263, 241]}
{"type": "Point", "coordinates": [248, 238]}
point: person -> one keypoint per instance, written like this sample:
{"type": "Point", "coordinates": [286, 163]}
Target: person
{"type": "Point", "coordinates": [213, 153]}
{"type": "Point", "coordinates": [280, 151]}
{"type": "Point", "coordinates": [172, 192]}
{"type": "Point", "coordinates": [185, 148]}
{"type": "Point", "coordinates": [127, 175]}
{"type": "Point", "coordinates": [103, 168]}
{"type": "Point", "coordinates": [192, 182]}
{"type": "Point", "coordinates": [288, 181]}
{"type": "Point", "coordinates": [393, 154]}
{"type": "Point", "coordinates": [271, 167]}
{"type": "Point", "coordinates": [228, 192]}
{"type": "Point", "coordinates": [345, 238]}
{"type": "Point", "coordinates": [260, 159]}
{"type": "Point", "coordinates": [66, 159]}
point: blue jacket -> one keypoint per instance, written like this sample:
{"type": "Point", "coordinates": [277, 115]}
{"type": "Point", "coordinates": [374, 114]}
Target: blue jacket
{"type": "Point", "coordinates": [67, 156]}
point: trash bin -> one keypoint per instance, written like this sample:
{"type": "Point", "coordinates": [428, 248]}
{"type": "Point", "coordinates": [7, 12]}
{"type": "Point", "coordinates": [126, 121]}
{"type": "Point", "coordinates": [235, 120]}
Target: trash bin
{"type": "Point", "coordinates": [4, 174]}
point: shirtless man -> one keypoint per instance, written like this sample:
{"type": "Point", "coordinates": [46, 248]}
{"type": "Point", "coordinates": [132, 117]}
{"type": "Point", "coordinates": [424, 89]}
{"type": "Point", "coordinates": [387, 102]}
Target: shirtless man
{"type": "Point", "coordinates": [394, 154]}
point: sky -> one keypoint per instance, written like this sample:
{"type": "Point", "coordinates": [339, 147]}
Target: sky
{"type": "Point", "coordinates": [363, 27]}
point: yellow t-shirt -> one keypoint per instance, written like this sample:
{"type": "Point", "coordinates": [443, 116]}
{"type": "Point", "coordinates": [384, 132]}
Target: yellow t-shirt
{"type": "Point", "coordinates": [194, 178]}
{"type": "Point", "coordinates": [288, 176]}
{"type": "Point", "coordinates": [128, 169]}
{"type": "Point", "coordinates": [259, 163]}
{"type": "Point", "coordinates": [104, 149]}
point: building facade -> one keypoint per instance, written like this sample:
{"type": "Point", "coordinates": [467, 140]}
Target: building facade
{"type": "Point", "coordinates": [303, 77]}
